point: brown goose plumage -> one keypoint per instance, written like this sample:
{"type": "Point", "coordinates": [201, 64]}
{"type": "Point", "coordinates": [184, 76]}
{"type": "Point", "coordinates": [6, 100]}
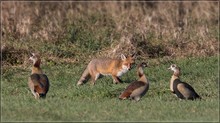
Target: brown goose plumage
{"type": "Point", "coordinates": [138, 88]}
{"type": "Point", "coordinates": [181, 89]}
{"type": "Point", "coordinates": [38, 81]}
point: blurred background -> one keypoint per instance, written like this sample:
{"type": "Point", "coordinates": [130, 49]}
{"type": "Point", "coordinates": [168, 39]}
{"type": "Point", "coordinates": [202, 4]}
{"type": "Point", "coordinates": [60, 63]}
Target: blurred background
{"type": "Point", "coordinates": [76, 32]}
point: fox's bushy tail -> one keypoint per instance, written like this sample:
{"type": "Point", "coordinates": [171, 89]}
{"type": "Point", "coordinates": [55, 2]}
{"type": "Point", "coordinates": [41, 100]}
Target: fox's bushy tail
{"type": "Point", "coordinates": [84, 76]}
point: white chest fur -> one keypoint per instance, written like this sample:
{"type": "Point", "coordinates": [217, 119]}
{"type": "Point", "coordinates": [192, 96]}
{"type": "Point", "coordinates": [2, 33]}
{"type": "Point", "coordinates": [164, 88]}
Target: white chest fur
{"type": "Point", "coordinates": [122, 71]}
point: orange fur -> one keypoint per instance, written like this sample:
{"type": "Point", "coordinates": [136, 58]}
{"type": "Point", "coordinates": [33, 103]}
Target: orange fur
{"type": "Point", "coordinates": [107, 66]}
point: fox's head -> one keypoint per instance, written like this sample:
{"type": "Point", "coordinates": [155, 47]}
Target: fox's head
{"type": "Point", "coordinates": [127, 62]}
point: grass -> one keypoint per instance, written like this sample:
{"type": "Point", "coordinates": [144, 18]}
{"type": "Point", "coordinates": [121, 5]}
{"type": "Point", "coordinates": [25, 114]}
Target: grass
{"type": "Point", "coordinates": [67, 102]}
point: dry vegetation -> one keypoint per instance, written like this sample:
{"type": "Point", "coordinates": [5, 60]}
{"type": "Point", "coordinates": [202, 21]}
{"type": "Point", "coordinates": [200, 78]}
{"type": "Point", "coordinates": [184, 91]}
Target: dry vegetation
{"type": "Point", "coordinates": [75, 31]}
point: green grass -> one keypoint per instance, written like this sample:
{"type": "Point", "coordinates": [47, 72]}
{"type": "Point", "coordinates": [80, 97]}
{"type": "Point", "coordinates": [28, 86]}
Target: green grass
{"type": "Point", "coordinates": [67, 102]}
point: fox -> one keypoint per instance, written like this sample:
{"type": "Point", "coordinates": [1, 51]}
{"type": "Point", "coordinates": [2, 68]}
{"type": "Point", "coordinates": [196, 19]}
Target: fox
{"type": "Point", "coordinates": [107, 66]}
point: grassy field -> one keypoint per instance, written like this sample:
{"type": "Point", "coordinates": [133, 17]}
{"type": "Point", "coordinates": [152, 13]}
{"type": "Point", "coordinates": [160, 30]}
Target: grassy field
{"type": "Point", "coordinates": [69, 34]}
{"type": "Point", "coordinates": [67, 102]}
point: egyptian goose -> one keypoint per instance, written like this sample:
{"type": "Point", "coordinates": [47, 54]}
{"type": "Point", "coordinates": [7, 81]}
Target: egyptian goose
{"type": "Point", "coordinates": [38, 81]}
{"type": "Point", "coordinates": [181, 89]}
{"type": "Point", "coordinates": [137, 89]}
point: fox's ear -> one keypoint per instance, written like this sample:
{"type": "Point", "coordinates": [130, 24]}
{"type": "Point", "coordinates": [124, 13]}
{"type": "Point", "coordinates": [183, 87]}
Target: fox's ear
{"type": "Point", "coordinates": [123, 57]}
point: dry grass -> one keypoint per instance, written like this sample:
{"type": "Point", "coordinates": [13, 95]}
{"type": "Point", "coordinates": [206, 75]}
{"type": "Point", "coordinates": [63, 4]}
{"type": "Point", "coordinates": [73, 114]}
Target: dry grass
{"type": "Point", "coordinates": [78, 30]}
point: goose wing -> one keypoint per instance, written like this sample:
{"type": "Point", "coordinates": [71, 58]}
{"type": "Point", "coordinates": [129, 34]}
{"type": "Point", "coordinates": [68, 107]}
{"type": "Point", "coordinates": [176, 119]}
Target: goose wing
{"type": "Point", "coordinates": [40, 82]}
{"type": "Point", "coordinates": [130, 88]}
{"type": "Point", "coordinates": [187, 90]}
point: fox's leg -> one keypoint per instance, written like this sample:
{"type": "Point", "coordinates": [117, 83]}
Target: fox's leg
{"type": "Point", "coordinates": [116, 79]}
{"type": "Point", "coordinates": [94, 77]}
{"type": "Point", "coordinates": [119, 80]}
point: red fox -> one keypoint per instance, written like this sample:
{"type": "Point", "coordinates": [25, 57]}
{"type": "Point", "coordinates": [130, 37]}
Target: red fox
{"type": "Point", "coordinates": [107, 66]}
{"type": "Point", "coordinates": [37, 81]}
